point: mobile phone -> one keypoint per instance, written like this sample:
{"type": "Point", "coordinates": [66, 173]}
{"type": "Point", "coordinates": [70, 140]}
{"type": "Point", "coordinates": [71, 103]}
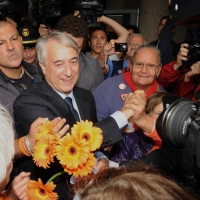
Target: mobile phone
{"type": "Point", "coordinates": [121, 47]}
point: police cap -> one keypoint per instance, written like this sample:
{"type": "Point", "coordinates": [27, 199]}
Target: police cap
{"type": "Point", "coordinates": [29, 36]}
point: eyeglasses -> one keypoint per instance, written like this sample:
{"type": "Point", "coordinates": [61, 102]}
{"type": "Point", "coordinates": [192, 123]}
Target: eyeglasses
{"type": "Point", "coordinates": [134, 44]}
{"type": "Point", "coordinates": [149, 66]}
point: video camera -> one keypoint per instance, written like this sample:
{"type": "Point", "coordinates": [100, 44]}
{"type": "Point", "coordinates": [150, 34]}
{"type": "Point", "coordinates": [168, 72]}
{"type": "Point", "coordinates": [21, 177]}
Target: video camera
{"type": "Point", "coordinates": [89, 11]}
{"type": "Point", "coordinates": [44, 11]}
{"type": "Point", "coordinates": [6, 6]}
{"type": "Point", "coordinates": [50, 8]}
{"type": "Point", "coordinates": [179, 127]}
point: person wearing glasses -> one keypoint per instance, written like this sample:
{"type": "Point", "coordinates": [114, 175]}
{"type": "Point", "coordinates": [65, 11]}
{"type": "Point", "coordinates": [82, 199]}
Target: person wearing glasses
{"type": "Point", "coordinates": [113, 68]}
{"type": "Point", "coordinates": [141, 82]}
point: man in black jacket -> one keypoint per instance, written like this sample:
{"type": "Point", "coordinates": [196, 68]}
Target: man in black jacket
{"type": "Point", "coordinates": [169, 49]}
{"type": "Point", "coordinates": [58, 57]}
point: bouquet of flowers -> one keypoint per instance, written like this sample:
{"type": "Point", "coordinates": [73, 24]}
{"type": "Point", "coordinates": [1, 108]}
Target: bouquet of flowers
{"type": "Point", "coordinates": [74, 151]}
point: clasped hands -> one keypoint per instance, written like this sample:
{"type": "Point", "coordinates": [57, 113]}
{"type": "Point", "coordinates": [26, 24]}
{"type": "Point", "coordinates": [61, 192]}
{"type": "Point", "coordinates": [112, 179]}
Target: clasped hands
{"type": "Point", "coordinates": [134, 105]}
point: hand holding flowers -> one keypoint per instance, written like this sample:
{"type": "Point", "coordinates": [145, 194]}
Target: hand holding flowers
{"type": "Point", "coordinates": [74, 151]}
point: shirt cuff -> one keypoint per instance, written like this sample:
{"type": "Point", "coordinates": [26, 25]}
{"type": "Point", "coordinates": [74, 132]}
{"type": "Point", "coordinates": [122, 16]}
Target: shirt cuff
{"type": "Point", "coordinates": [113, 164]}
{"type": "Point", "coordinates": [120, 119]}
{"type": "Point", "coordinates": [99, 154]}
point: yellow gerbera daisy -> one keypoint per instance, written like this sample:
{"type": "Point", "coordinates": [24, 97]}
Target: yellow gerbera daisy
{"type": "Point", "coordinates": [44, 150]}
{"type": "Point", "coordinates": [36, 190]}
{"type": "Point", "coordinates": [71, 151]}
{"type": "Point", "coordinates": [84, 169]}
{"type": "Point", "coordinates": [45, 128]}
{"type": "Point", "coordinates": [92, 135]}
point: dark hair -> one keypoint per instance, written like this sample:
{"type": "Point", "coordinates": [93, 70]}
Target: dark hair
{"type": "Point", "coordinates": [154, 100]}
{"type": "Point", "coordinates": [133, 27]}
{"type": "Point", "coordinates": [164, 17]}
{"type": "Point", "coordinates": [73, 25]}
{"type": "Point", "coordinates": [136, 183]}
{"type": "Point", "coordinates": [99, 28]}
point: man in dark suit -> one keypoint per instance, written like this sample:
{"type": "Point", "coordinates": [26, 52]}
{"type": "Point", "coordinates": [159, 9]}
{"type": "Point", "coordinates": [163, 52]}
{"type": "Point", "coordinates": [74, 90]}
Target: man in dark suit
{"type": "Point", "coordinates": [58, 57]}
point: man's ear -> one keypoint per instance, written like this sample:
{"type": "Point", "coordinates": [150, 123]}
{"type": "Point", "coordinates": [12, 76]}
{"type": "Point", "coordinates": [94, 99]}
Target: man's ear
{"type": "Point", "coordinates": [43, 67]}
{"type": "Point", "coordinates": [89, 42]}
{"type": "Point", "coordinates": [158, 73]}
{"type": "Point", "coordinates": [20, 37]}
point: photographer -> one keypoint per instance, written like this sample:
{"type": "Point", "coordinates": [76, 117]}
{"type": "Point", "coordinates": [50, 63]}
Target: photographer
{"type": "Point", "coordinates": [113, 68]}
{"type": "Point", "coordinates": [98, 36]}
{"type": "Point", "coordinates": [178, 78]}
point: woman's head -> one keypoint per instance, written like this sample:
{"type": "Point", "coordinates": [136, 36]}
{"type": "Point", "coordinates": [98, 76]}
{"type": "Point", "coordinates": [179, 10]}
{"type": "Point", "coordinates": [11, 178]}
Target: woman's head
{"type": "Point", "coordinates": [6, 146]}
{"type": "Point", "coordinates": [154, 104]}
{"type": "Point", "coordinates": [146, 66]}
{"type": "Point", "coordinates": [137, 183]}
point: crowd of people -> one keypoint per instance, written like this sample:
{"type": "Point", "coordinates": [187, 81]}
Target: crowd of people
{"type": "Point", "coordinates": [73, 73]}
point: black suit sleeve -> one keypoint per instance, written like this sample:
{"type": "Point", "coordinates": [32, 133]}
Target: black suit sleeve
{"type": "Point", "coordinates": [111, 131]}
{"type": "Point", "coordinates": [31, 104]}
{"type": "Point", "coordinates": [27, 109]}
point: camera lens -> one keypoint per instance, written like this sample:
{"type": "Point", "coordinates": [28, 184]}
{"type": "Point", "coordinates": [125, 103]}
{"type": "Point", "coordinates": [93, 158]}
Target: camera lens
{"type": "Point", "coordinates": [89, 19]}
{"type": "Point", "coordinates": [123, 47]}
{"type": "Point", "coordinates": [172, 124]}
{"type": "Point", "coordinates": [51, 9]}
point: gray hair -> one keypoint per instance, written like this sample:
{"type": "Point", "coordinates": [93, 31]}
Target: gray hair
{"type": "Point", "coordinates": [157, 51]}
{"type": "Point", "coordinates": [136, 34]}
{"type": "Point", "coordinates": [62, 38]}
{"type": "Point", "coordinates": [6, 141]}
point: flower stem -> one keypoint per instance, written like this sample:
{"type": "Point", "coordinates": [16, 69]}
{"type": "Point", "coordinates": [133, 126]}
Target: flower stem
{"type": "Point", "coordinates": [55, 175]}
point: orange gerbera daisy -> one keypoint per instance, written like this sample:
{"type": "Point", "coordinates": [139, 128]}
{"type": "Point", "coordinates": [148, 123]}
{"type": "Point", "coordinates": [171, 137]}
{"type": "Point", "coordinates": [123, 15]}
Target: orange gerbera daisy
{"type": "Point", "coordinates": [92, 135]}
{"type": "Point", "coordinates": [71, 151]}
{"type": "Point", "coordinates": [36, 190]}
{"type": "Point", "coordinates": [44, 150]}
{"type": "Point", "coordinates": [84, 169]}
{"type": "Point", "coordinates": [45, 128]}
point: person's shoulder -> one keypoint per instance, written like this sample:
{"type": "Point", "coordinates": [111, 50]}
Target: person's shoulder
{"type": "Point", "coordinates": [87, 58]}
{"type": "Point", "coordinates": [115, 79]}
{"type": "Point", "coordinates": [32, 90]}
{"type": "Point", "coordinates": [161, 89]}
{"type": "Point", "coordinates": [82, 93]}
{"type": "Point", "coordinates": [154, 43]}
{"type": "Point", "coordinates": [28, 67]}
{"type": "Point", "coordinates": [88, 54]}
{"type": "Point", "coordinates": [110, 83]}
{"type": "Point", "coordinates": [80, 89]}
{"type": "Point", "coordinates": [33, 70]}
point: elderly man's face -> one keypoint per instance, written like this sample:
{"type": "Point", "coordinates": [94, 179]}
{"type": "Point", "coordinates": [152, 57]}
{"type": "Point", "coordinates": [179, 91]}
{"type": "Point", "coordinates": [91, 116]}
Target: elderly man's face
{"type": "Point", "coordinates": [61, 69]}
{"type": "Point", "coordinates": [11, 48]}
{"type": "Point", "coordinates": [143, 77]}
{"type": "Point", "coordinates": [135, 42]}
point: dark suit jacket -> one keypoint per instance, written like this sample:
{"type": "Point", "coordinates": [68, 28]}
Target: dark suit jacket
{"type": "Point", "coordinates": [40, 100]}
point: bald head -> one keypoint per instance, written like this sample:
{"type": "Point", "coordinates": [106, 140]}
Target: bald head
{"type": "Point", "coordinates": [4, 23]}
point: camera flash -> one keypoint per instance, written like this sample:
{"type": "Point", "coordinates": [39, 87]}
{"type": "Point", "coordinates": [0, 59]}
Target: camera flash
{"type": "Point", "coordinates": [176, 6]}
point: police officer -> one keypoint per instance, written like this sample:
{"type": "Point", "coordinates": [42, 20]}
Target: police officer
{"type": "Point", "coordinates": [29, 39]}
